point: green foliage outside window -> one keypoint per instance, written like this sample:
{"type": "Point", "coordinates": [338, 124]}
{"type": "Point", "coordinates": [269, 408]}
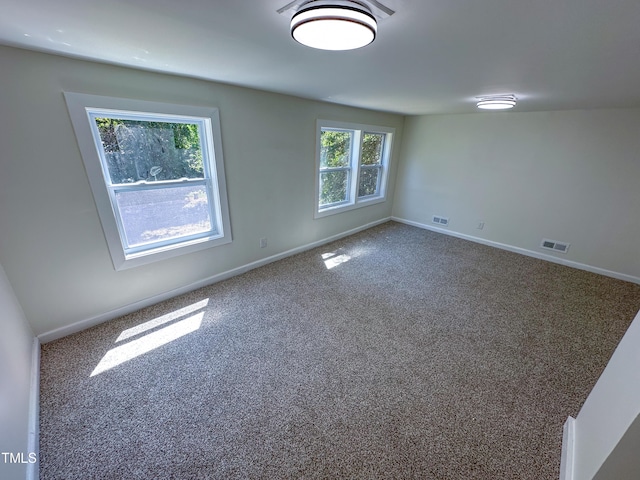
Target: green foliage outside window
{"type": "Point", "coordinates": [141, 150]}
{"type": "Point", "coordinates": [368, 184]}
{"type": "Point", "coordinates": [335, 148]}
{"type": "Point", "coordinates": [370, 161]}
{"type": "Point", "coordinates": [333, 187]}
{"type": "Point", "coordinates": [372, 149]}
{"type": "Point", "coordinates": [335, 151]}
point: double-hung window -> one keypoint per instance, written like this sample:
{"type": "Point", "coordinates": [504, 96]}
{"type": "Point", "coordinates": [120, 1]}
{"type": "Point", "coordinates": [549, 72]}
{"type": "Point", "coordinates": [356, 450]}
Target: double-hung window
{"type": "Point", "coordinates": [352, 164]}
{"type": "Point", "coordinates": [157, 175]}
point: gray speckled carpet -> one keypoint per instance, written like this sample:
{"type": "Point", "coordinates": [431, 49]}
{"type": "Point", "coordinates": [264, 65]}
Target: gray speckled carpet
{"type": "Point", "coordinates": [401, 354]}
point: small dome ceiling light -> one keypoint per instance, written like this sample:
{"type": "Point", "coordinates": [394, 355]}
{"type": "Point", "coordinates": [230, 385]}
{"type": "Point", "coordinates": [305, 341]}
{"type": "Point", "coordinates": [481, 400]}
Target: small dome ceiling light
{"type": "Point", "coordinates": [497, 102]}
{"type": "Point", "coordinates": [334, 25]}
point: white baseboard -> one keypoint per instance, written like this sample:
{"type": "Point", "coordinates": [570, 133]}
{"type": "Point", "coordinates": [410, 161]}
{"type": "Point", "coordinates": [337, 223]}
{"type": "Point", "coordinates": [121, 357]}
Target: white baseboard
{"type": "Point", "coordinates": [568, 449]}
{"type": "Point", "coordinates": [523, 251]}
{"type": "Point", "coordinates": [33, 443]}
{"type": "Point", "coordinates": [90, 322]}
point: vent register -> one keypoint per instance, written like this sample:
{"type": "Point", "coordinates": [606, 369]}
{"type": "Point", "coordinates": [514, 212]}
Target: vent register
{"type": "Point", "coordinates": [561, 247]}
{"type": "Point", "coordinates": [440, 220]}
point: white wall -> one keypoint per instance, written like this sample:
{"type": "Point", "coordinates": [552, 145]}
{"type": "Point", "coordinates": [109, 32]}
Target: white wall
{"type": "Point", "coordinates": [569, 176]}
{"type": "Point", "coordinates": [52, 245]}
{"type": "Point", "coordinates": [16, 344]}
{"type": "Point", "coordinates": [607, 428]}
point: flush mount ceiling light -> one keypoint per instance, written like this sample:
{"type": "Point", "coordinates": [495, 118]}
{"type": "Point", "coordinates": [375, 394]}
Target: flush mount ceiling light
{"type": "Point", "coordinates": [497, 102]}
{"type": "Point", "coordinates": [334, 25]}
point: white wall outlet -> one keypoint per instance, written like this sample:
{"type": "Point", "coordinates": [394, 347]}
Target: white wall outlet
{"type": "Point", "coordinates": [480, 225]}
{"type": "Point", "coordinates": [263, 242]}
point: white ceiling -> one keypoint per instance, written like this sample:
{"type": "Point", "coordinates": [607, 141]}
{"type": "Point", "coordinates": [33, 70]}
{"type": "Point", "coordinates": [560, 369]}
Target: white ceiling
{"type": "Point", "coordinates": [431, 56]}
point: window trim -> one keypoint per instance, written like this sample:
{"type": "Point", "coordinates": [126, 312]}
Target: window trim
{"type": "Point", "coordinates": [353, 201]}
{"type": "Point", "coordinates": [80, 108]}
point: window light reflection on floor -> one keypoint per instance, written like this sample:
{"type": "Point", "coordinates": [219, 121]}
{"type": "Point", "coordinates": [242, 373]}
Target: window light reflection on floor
{"type": "Point", "coordinates": [128, 351]}
{"type": "Point", "coordinates": [156, 322]}
{"type": "Point", "coordinates": [332, 260]}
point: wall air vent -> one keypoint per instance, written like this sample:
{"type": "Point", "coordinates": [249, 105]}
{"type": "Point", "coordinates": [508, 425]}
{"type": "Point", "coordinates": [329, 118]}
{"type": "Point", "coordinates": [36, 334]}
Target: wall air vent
{"type": "Point", "coordinates": [440, 220]}
{"type": "Point", "coordinates": [561, 247]}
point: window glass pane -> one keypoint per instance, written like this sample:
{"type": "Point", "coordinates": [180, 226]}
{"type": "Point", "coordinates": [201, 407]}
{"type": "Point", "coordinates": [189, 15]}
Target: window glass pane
{"type": "Point", "coordinates": [333, 187]}
{"type": "Point", "coordinates": [161, 214]}
{"type": "Point", "coordinates": [150, 150]}
{"type": "Point", "coordinates": [335, 148]}
{"type": "Point", "coordinates": [368, 184]}
{"type": "Point", "coordinates": [372, 144]}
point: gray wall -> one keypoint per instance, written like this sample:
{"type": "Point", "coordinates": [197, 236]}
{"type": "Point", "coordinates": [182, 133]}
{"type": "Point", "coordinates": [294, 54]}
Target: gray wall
{"type": "Point", "coordinates": [16, 344]}
{"type": "Point", "coordinates": [568, 176]}
{"type": "Point", "coordinates": [51, 242]}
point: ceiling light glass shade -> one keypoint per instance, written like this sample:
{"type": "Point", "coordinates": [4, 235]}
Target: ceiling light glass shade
{"type": "Point", "coordinates": [334, 25]}
{"type": "Point", "coordinates": [501, 102]}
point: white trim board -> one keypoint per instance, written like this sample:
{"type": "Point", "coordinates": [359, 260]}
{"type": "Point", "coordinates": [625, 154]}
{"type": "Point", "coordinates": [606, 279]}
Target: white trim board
{"type": "Point", "coordinates": [523, 251]}
{"type": "Point", "coordinates": [33, 439]}
{"type": "Point", "coordinates": [568, 449]}
{"type": "Point", "coordinates": [118, 312]}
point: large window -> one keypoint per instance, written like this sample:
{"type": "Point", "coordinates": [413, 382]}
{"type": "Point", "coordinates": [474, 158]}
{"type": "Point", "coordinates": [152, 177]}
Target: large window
{"type": "Point", "coordinates": [352, 166]}
{"type": "Point", "coordinates": [157, 175]}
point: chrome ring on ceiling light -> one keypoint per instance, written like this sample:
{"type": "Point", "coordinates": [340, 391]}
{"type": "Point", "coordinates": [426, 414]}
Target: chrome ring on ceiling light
{"type": "Point", "coordinates": [334, 25]}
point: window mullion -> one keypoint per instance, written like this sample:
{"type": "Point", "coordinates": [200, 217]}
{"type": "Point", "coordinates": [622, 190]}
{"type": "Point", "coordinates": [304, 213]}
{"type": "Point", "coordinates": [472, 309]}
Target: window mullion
{"type": "Point", "coordinates": [355, 164]}
{"type": "Point", "coordinates": [334, 169]}
{"type": "Point", "coordinates": [159, 184]}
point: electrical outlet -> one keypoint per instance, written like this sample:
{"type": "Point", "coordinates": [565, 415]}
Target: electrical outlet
{"type": "Point", "coordinates": [263, 242]}
{"type": "Point", "coordinates": [480, 225]}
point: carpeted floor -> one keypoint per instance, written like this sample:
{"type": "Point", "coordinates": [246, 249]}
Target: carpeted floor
{"type": "Point", "coordinates": [394, 353]}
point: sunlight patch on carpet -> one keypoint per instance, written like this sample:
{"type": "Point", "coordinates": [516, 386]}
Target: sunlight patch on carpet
{"type": "Point", "coordinates": [332, 260]}
{"type": "Point", "coordinates": [156, 322]}
{"type": "Point", "coordinates": [124, 353]}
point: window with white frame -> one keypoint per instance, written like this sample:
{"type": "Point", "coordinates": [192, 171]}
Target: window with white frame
{"type": "Point", "coordinates": [157, 175]}
{"type": "Point", "coordinates": [352, 163]}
